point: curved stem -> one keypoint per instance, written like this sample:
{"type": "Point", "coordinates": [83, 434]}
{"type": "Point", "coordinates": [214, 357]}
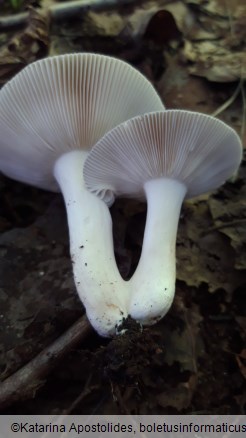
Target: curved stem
{"type": "Point", "coordinates": [98, 282]}
{"type": "Point", "coordinates": [153, 283]}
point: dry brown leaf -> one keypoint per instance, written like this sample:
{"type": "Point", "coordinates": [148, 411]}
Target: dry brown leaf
{"type": "Point", "coordinates": [229, 215]}
{"type": "Point", "coordinates": [184, 344]}
{"type": "Point", "coordinates": [214, 61]}
{"type": "Point", "coordinates": [179, 397]}
{"type": "Point", "coordinates": [218, 8]}
{"type": "Point", "coordinates": [203, 256]}
{"type": "Point", "coordinates": [26, 46]}
{"type": "Point", "coordinates": [216, 45]}
{"type": "Point", "coordinates": [241, 320]}
{"type": "Point", "coordinates": [234, 227]}
{"type": "Point", "coordinates": [239, 358]}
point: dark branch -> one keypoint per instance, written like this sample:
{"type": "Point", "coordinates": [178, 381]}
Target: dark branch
{"type": "Point", "coordinates": [25, 382]}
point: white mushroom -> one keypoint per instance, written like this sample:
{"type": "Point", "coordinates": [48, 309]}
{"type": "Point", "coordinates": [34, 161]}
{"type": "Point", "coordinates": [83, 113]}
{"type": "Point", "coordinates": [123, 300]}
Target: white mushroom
{"type": "Point", "coordinates": [165, 157]}
{"type": "Point", "coordinates": [51, 114]}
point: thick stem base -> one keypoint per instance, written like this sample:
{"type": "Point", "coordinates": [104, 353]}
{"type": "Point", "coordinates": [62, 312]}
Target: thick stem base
{"type": "Point", "coordinates": [98, 282]}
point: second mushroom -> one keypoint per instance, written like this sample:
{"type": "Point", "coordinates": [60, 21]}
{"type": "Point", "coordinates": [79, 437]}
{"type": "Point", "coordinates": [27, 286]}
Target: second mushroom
{"type": "Point", "coordinates": [164, 157]}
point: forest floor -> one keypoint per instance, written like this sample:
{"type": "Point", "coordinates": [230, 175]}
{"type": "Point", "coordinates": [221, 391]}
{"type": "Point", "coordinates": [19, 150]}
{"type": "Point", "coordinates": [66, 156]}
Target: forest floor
{"type": "Point", "coordinates": [194, 360]}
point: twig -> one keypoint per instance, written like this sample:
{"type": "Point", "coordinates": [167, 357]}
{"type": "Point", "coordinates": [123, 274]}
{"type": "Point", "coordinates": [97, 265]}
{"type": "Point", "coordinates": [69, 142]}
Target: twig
{"type": "Point", "coordinates": [230, 224]}
{"type": "Point", "coordinates": [240, 87]}
{"type": "Point", "coordinates": [64, 10]}
{"type": "Point", "coordinates": [87, 390]}
{"type": "Point", "coordinates": [243, 94]}
{"type": "Point", "coordinates": [60, 419]}
{"type": "Point", "coordinates": [228, 102]}
{"type": "Point", "coordinates": [25, 382]}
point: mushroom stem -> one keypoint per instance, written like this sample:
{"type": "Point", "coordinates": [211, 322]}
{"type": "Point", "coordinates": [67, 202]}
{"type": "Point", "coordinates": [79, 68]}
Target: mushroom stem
{"type": "Point", "coordinates": [153, 283]}
{"type": "Point", "coordinates": [98, 282]}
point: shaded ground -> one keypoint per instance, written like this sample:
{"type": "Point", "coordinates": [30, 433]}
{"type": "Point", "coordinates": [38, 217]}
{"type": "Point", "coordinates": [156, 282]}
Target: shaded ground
{"type": "Point", "coordinates": [194, 360]}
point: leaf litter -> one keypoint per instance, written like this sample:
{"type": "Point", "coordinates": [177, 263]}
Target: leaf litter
{"type": "Point", "coordinates": [194, 359]}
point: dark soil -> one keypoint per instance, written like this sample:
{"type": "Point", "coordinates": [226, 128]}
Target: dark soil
{"type": "Point", "coordinates": [194, 360]}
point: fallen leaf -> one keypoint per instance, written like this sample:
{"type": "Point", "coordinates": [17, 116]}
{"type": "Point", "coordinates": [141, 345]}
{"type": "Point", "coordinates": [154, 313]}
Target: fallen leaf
{"type": "Point", "coordinates": [180, 397]}
{"type": "Point", "coordinates": [229, 215]}
{"type": "Point", "coordinates": [239, 358]}
{"type": "Point", "coordinates": [184, 343]}
{"type": "Point", "coordinates": [219, 53]}
{"type": "Point", "coordinates": [26, 46]}
{"type": "Point", "coordinates": [203, 256]}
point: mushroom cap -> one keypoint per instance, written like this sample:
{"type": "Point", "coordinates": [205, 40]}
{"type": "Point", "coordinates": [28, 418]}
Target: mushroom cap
{"type": "Point", "coordinates": [196, 149]}
{"type": "Point", "coordinates": [63, 103]}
